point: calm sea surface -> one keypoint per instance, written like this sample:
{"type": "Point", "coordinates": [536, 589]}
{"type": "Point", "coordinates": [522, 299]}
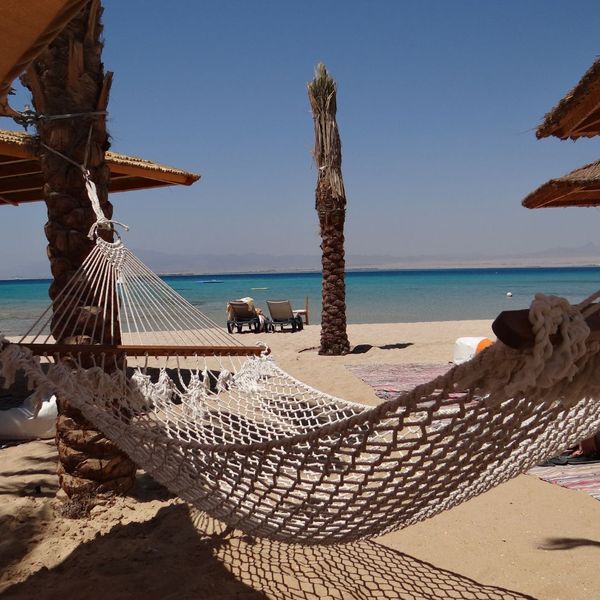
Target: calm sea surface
{"type": "Point", "coordinates": [372, 296]}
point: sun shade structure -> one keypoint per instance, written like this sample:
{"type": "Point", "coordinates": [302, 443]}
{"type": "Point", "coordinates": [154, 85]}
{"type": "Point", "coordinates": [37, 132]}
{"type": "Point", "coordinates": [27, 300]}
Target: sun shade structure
{"type": "Point", "coordinates": [578, 113]}
{"type": "Point", "coordinates": [26, 29]}
{"type": "Point", "coordinates": [21, 177]}
{"type": "Point", "coordinates": [580, 187]}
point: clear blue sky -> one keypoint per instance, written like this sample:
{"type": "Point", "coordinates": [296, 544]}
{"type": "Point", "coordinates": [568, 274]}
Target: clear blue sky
{"type": "Point", "coordinates": [437, 106]}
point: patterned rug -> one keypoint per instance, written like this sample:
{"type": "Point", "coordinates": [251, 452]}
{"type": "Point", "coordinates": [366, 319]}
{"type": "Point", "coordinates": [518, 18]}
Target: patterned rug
{"type": "Point", "coordinates": [390, 380]}
{"type": "Point", "coordinates": [585, 477]}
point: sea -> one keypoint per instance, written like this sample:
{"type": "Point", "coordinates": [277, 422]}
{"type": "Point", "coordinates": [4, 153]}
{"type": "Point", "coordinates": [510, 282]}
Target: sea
{"type": "Point", "coordinates": [377, 296]}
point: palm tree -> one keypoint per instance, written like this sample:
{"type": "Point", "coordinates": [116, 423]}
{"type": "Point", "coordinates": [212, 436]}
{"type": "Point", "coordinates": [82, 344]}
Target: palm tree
{"type": "Point", "coordinates": [69, 78]}
{"type": "Point", "coordinates": [331, 208]}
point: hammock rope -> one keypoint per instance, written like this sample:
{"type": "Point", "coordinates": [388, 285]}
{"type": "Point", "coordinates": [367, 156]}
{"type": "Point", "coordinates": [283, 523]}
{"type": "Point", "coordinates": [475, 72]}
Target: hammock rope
{"type": "Point", "coordinates": [222, 426]}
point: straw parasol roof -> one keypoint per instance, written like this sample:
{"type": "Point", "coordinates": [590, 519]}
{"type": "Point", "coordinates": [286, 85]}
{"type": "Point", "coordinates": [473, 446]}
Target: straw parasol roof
{"type": "Point", "coordinates": [26, 28]}
{"type": "Point", "coordinates": [580, 187]}
{"type": "Point", "coordinates": [578, 113]}
{"type": "Point", "coordinates": [21, 177]}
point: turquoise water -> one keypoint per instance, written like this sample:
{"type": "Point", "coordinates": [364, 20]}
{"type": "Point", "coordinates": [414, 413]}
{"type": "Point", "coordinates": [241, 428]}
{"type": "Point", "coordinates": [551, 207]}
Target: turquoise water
{"type": "Point", "coordinates": [372, 296]}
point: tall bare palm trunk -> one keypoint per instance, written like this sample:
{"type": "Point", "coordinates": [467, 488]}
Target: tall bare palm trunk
{"type": "Point", "coordinates": [331, 208]}
{"type": "Point", "coordinates": [69, 78]}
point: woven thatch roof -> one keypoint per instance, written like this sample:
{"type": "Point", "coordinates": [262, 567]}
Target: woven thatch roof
{"type": "Point", "coordinates": [21, 177]}
{"type": "Point", "coordinates": [580, 187]}
{"type": "Point", "coordinates": [578, 113]}
{"type": "Point", "coordinates": [26, 28]}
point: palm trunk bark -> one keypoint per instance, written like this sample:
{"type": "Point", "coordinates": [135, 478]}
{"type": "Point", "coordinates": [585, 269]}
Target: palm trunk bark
{"type": "Point", "coordinates": [331, 209]}
{"type": "Point", "coordinates": [69, 78]}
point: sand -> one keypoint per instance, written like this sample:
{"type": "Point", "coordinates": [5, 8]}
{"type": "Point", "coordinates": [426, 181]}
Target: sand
{"type": "Point", "coordinates": [523, 538]}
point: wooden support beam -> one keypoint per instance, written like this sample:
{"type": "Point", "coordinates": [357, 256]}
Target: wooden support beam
{"type": "Point", "coordinates": [565, 195]}
{"type": "Point", "coordinates": [21, 167]}
{"type": "Point", "coordinates": [18, 197]}
{"type": "Point", "coordinates": [7, 190]}
{"type": "Point", "coordinates": [591, 125]}
{"type": "Point", "coordinates": [170, 177]}
{"type": "Point", "coordinates": [134, 350]}
{"type": "Point", "coordinates": [6, 159]}
{"type": "Point", "coordinates": [125, 184]}
{"type": "Point", "coordinates": [580, 117]}
{"type": "Point", "coordinates": [21, 183]}
{"type": "Point", "coordinates": [122, 183]}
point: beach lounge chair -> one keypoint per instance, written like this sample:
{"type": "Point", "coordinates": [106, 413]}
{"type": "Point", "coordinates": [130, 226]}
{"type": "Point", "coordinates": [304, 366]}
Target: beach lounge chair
{"type": "Point", "coordinates": [240, 313]}
{"type": "Point", "coordinates": [282, 314]}
{"type": "Point", "coordinates": [303, 312]}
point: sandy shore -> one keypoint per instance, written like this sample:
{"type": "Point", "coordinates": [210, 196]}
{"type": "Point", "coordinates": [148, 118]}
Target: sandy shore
{"type": "Point", "coordinates": [525, 537]}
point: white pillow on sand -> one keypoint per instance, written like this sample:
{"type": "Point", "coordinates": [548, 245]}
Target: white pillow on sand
{"type": "Point", "coordinates": [21, 423]}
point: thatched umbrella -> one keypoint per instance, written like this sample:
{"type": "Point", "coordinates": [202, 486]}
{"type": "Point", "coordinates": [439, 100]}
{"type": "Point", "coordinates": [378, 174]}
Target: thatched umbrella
{"type": "Point", "coordinates": [578, 113]}
{"type": "Point", "coordinates": [580, 187]}
{"type": "Point", "coordinates": [331, 208]}
{"type": "Point", "coordinates": [22, 180]}
{"type": "Point", "coordinates": [26, 29]}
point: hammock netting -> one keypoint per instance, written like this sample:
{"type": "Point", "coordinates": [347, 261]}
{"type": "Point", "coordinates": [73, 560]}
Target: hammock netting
{"type": "Point", "coordinates": [226, 429]}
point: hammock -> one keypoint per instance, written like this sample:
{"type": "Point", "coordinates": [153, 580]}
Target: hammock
{"type": "Point", "coordinates": [222, 426]}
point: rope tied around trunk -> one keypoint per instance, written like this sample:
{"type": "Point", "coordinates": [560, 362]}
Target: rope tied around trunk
{"type": "Point", "coordinates": [101, 221]}
{"type": "Point", "coordinates": [30, 118]}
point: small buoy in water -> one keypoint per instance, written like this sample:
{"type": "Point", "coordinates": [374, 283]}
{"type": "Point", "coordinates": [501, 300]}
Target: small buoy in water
{"type": "Point", "coordinates": [509, 294]}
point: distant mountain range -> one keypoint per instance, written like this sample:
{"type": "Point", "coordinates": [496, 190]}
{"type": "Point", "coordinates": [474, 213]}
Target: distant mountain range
{"type": "Point", "coordinates": [588, 254]}
{"type": "Point", "coordinates": [163, 262]}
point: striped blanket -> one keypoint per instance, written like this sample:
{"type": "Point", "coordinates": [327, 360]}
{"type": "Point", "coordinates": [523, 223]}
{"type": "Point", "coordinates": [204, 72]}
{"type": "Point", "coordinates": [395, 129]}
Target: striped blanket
{"type": "Point", "coordinates": [584, 477]}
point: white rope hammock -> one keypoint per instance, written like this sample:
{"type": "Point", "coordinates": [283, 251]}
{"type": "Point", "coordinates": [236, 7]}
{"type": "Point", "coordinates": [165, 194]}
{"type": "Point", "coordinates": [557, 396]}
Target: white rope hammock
{"type": "Point", "coordinates": [223, 427]}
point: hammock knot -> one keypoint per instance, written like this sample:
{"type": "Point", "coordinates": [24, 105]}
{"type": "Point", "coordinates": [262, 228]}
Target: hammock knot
{"type": "Point", "coordinates": [113, 253]}
{"type": "Point", "coordinates": [102, 223]}
{"type": "Point", "coordinates": [266, 350]}
{"type": "Point", "coordinates": [197, 392]}
{"type": "Point", "coordinates": [556, 368]}
{"type": "Point", "coordinates": [560, 333]}
{"type": "Point", "coordinates": [224, 380]}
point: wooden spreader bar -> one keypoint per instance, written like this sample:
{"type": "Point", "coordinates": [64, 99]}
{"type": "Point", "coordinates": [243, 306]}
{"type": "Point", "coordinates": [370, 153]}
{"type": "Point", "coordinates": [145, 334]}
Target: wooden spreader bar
{"type": "Point", "coordinates": [133, 350]}
{"type": "Point", "coordinates": [512, 327]}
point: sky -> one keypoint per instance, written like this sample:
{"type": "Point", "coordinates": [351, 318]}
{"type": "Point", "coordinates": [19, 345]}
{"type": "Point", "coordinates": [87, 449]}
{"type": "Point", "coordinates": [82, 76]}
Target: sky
{"type": "Point", "coordinates": [437, 107]}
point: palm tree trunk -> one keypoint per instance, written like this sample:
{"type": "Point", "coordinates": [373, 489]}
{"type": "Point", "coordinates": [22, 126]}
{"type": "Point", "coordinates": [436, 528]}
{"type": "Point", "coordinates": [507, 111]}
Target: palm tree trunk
{"type": "Point", "coordinates": [69, 78]}
{"type": "Point", "coordinates": [331, 209]}
{"type": "Point", "coordinates": [334, 339]}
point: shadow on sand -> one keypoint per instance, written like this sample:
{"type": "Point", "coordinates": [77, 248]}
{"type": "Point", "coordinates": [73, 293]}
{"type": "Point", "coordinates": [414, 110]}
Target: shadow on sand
{"type": "Point", "coordinates": [364, 570]}
{"type": "Point", "coordinates": [364, 348]}
{"type": "Point", "coordinates": [568, 543]}
{"type": "Point", "coordinates": [178, 555]}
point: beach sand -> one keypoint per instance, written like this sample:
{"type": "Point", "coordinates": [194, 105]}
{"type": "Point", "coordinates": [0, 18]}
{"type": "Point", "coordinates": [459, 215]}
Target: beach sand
{"type": "Point", "coordinates": [525, 537]}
